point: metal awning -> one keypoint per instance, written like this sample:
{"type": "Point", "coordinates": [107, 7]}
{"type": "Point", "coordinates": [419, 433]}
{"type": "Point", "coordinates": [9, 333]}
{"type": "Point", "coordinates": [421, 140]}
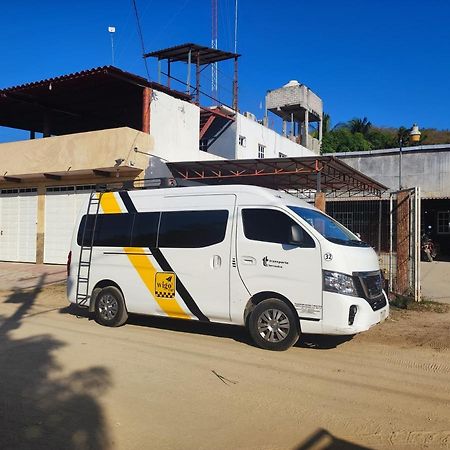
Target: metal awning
{"type": "Point", "coordinates": [95, 174]}
{"type": "Point", "coordinates": [206, 55]}
{"type": "Point", "coordinates": [309, 173]}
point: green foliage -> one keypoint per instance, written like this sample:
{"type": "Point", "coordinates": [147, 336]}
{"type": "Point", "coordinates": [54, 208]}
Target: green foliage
{"type": "Point", "coordinates": [343, 140]}
{"type": "Point", "coordinates": [360, 135]}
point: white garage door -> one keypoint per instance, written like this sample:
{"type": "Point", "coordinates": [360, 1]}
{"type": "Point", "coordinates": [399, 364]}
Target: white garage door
{"type": "Point", "coordinates": [18, 219]}
{"type": "Point", "coordinates": [62, 205]}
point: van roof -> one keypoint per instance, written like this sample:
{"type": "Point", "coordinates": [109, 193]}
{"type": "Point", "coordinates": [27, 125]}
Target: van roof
{"type": "Point", "coordinates": [256, 193]}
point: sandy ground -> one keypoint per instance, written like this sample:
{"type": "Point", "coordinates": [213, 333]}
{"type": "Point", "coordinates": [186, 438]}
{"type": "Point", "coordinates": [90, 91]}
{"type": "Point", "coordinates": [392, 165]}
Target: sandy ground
{"type": "Point", "coordinates": [68, 383]}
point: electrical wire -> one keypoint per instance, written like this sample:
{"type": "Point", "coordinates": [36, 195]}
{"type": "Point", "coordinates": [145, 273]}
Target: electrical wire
{"type": "Point", "coordinates": [141, 36]}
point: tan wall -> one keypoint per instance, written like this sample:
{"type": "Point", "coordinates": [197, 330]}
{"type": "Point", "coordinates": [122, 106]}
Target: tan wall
{"type": "Point", "coordinates": [94, 149]}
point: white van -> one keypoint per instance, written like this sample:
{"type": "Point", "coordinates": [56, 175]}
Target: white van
{"type": "Point", "coordinates": [233, 254]}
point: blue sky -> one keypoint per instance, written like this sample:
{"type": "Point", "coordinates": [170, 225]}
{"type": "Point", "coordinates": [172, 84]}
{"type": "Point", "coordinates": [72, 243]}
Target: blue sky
{"type": "Point", "coordinates": [387, 60]}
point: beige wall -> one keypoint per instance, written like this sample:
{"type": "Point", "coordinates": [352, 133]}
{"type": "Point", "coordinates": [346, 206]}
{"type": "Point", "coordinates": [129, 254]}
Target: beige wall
{"type": "Point", "coordinates": [94, 149]}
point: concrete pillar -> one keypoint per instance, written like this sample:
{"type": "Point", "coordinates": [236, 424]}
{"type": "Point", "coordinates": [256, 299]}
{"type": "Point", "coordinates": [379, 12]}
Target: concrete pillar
{"type": "Point", "coordinates": [40, 225]}
{"type": "Point", "coordinates": [320, 129]}
{"type": "Point", "coordinates": [283, 132]}
{"type": "Point", "coordinates": [306, 129]}
{"type": "Point", "coordinates": [320, 201]}
{"type": "Point", "coordinates": [146, 102]}
{"type": "Point", "coordinates": [46, 132]}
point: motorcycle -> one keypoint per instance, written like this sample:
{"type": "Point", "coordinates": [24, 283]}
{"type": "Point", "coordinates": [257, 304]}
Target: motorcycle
{"type": "Point", "coordinates": [429, 248]}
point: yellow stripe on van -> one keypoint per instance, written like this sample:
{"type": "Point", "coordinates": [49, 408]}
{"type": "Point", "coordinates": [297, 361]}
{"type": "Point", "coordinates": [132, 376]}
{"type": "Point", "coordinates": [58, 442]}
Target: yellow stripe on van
{"type": "Point", "coordinates": [147, 272]}
{"type": "Point", "coordinates": [109, 203]}
{"type": "Point", "coordinates": [142, 263]}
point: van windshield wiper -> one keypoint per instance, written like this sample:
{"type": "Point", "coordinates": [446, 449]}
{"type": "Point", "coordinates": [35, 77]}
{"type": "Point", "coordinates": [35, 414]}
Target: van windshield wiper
{"type": "Point", "coordinates": [349, 242]}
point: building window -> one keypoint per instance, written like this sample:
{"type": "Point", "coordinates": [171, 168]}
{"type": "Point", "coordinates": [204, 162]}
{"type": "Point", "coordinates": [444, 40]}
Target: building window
{"type": "Point", "coordinates": [443, 222]}
{"type": "Point", "coordinates": [242, 141]}
{"type": "Point", "coordinates": [261, 150]}
{"type": "Point", "coordinates": [281, 155]}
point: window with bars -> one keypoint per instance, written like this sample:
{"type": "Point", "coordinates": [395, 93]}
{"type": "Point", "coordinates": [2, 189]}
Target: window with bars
{"type": "Point", "coordinates": [242, 141]}
{"type": "Point", "coordinates": [261, 150]}
{"type": "Point", "coordinates": [281, 155]}
{"type": "Point", "coordinates": [443, 222]}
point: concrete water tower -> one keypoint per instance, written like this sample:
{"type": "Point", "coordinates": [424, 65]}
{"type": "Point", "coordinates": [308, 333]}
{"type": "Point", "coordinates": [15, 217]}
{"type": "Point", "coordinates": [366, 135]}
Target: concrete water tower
{"type": "Point", "coordinates": [296, 104]}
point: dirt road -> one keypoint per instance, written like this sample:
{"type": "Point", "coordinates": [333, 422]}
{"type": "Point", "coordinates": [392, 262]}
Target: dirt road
{"type": "Point", "coordinates": [68, 383]}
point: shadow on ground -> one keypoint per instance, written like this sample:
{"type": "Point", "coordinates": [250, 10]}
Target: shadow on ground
{"type": "Point", "coordinates": [323, 440]}
{"type": "Point", "coordinates": [40, 408]}
{"type": "Point", "coordinates": [237, 333]}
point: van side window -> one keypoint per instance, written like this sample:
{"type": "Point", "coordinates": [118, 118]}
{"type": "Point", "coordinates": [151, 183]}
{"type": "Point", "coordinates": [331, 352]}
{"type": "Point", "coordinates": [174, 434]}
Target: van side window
{"type": "Point", "coordinates": [269, 225]}
{"type": "Point", "coordinates": [192, 229]}
{"type": "Point", "coordinates": [112, 230]}
{"type": "Point", "coordinates": [145, 229]}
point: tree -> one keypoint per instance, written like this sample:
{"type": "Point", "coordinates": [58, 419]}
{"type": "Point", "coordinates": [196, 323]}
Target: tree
{"type": "Point", "coordinates": [362, 126]}
{"type": "Point", "coordinates": [343, 140]}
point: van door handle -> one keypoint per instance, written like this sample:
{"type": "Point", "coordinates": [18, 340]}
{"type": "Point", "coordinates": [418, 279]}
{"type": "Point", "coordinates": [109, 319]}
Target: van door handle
{"type": "Point", "coordinates": [248, 260]}
{"type": "Point", "coordinates": [216, 262]}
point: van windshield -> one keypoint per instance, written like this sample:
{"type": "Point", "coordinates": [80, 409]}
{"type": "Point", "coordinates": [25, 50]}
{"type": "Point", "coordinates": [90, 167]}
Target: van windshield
{"type": "Point", "coordinates": [329, 228]}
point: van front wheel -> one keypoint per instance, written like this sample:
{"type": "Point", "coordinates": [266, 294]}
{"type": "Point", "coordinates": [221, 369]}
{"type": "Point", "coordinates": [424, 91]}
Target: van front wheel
{"type": "Point", "coordinates": [273, 325]}
{"type": "Point", "coordinates": [110, 307]}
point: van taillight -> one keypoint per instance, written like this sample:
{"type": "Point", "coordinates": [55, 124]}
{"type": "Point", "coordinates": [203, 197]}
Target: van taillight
{"type": "Point", "coordinates": [69, 260]}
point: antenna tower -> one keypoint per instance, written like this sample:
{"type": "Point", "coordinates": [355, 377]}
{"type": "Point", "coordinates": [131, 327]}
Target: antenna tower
{"type": "Point", "coordinates": [214, 32]}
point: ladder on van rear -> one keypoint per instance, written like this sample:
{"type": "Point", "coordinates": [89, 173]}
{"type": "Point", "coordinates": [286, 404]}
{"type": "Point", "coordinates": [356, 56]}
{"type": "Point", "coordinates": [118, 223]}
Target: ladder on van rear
{"type": "Point", "coordinates": [85, 259]}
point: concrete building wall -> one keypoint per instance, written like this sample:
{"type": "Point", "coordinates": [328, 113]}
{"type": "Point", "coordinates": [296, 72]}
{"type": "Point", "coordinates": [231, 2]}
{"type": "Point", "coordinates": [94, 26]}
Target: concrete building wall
{"type": "Point", "coordinates": [255, 134]}
{"type": "Point", "coordinates": [174, 126]}
{"type": "Point", "coordinates": [424, 166]}
{"type": "Point", "coordinates": [94, 149]}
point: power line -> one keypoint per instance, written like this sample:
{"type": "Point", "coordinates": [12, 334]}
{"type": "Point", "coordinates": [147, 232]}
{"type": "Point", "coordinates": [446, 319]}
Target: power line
{"type": "Point", "coordinates": [141, 36]}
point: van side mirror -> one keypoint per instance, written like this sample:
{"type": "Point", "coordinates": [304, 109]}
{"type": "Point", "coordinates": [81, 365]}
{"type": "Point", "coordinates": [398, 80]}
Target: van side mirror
{"type": "Point", "coordinates": [297, 235]}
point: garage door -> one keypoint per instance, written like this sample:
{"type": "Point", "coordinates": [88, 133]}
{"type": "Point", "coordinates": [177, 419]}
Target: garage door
{"type": "Point", "coordinates": [18, 219]}
{"type": "Point", "coordinates": [62, 205]}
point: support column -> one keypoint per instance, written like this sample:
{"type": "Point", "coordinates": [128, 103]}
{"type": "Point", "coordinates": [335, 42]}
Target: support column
{"type": "Point", "coordinates": [146, 103]}
{"type": "Point", "coordinates": [159, 71]}
{"type": "Point", "coordinates": [306, 129]}
{"type": "Point", "coordinates": [40, 225]}
{"type": "Point", "coordinates": [197, 79]}
{"type": "Point", "coordinates": [46, 131]}
{"type": "Point", "coordinates": [188, 76]}
{"type": "Point", "coordinates": [283, 132]}
{"type": "Point", "coordinates": [319, 200]}
{"type": "Point", "coordinates": [235, 84]}
{"type": "Point", "coordinates": [320, 129]}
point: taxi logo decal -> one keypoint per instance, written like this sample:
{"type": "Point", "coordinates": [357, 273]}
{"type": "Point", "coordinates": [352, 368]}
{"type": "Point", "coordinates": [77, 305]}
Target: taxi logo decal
{"type": "Point", "coordinates": [165, 284]}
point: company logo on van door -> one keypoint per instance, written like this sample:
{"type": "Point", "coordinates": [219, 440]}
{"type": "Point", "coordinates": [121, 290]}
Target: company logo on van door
{"type": "Point", "coordinates": [273, 263]}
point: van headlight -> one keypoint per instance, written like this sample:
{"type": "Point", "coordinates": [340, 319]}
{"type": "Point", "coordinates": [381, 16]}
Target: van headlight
{"type": "Point", "coordinates": [339, 283]}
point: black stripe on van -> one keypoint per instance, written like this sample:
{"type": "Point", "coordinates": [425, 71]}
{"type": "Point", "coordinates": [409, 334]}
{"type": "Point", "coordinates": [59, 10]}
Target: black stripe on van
{"type": "Point", "coordinates": [181, 289]}
{"type": "Point", "coordinates": [165, 266]}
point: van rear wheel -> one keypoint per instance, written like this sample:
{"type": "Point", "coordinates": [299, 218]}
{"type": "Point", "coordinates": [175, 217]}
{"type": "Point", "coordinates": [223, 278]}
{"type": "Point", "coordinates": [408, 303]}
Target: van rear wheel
{"type": "Point", "coordinates": [273, 325]}
{"type": "Point", "coordinates": [110, 307]}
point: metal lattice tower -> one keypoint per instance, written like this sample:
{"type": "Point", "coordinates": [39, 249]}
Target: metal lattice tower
{"type": "Point", "coordinates": [214, 33]}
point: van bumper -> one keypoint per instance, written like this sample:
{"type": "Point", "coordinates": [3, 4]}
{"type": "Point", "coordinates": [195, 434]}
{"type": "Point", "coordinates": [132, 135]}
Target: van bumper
{"type": "Point", "coordinates": [336, 312]}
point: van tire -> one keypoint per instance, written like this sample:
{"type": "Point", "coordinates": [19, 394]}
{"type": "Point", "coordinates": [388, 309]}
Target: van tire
{"type": "Point", "coordinates": [110, 309]}
{"type": "Point", "coordinates": [273, 325]}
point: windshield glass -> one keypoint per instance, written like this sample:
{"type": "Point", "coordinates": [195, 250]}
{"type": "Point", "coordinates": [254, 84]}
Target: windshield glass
{"type": "Point", "coordinates": [329, 228]}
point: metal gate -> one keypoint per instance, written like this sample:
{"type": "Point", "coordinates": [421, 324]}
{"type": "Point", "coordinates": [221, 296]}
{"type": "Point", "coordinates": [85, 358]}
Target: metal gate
{"type": "Point", "coordinates": [391, 225]}
{"type": "Point", "coordinates": [404, 245]}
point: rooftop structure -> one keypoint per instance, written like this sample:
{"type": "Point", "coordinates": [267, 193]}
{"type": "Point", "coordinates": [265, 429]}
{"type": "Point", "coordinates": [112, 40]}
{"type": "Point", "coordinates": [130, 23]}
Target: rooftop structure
{"type": "Point", "coordinates": [197, 55]}
{"type": "Point", "coordinates": [297, 104]}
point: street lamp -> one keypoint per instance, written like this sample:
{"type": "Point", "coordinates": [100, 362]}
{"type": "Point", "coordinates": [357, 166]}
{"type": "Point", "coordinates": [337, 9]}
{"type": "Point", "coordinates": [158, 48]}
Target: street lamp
{"type": "Point", "coordinates": [414, 136]}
